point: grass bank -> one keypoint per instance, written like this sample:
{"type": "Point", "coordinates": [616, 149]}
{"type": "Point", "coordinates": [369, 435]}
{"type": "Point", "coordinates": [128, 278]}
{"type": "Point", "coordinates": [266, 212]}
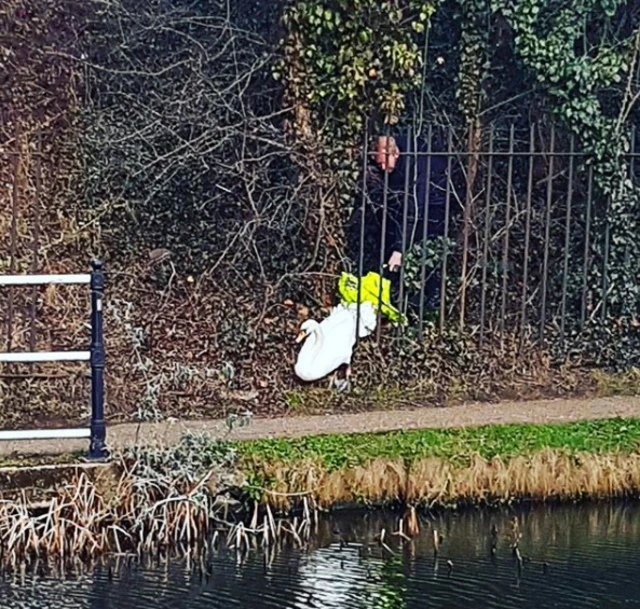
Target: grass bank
{"type": "Point", "coordinates": [451, 466]}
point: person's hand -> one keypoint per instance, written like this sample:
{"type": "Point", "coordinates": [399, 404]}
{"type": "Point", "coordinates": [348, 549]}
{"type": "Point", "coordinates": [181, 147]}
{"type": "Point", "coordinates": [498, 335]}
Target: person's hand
{"type": "Point", "coordinates": [395, 261]}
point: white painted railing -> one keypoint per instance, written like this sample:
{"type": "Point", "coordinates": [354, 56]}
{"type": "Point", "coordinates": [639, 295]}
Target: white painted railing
{"type": "Point", "coordinates": [19, 357]}
{"type": "Point", "coordinates": [45, 279]}
{"type": "Point", "coordinates": [46, 434]}
{"type": "Point", "coordinates": [95, 355]}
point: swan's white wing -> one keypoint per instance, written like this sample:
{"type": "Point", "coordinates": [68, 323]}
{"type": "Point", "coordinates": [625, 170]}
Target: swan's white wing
{"type": "Point", "coordinates": [339, 315]}
{"type": "Point", "coordinates": [338, 338]}
{"type": "Point", "coordinates": [368, 319]}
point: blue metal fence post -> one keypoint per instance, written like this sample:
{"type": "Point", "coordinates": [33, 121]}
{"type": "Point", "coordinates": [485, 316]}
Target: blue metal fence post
{"type": "Point", "coordinates": [97, 448]}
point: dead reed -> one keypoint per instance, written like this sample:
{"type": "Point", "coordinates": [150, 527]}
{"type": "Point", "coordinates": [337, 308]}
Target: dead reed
{"type": "Point", "coordinates": [155, 501]}
{"type": "Point", "coordinates": [545, 475]}
{"type": "Point", "coordinates": [193, 498]}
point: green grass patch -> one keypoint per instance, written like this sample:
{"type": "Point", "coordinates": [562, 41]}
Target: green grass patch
{"type": "Point", "coordinates": [459, 445]}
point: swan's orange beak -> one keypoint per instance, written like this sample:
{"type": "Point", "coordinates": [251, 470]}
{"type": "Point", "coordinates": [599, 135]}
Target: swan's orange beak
{"type": "Point", "coordinates": [301, 336]}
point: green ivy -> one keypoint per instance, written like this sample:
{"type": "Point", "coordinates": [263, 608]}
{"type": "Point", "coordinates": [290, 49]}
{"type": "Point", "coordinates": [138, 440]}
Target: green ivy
{"type": "Point", "coordinates": [474, 50]}
{"type": "Point", "coordinates": [347, 59]}
{"type": "Point", "coordinates": [546, 37]}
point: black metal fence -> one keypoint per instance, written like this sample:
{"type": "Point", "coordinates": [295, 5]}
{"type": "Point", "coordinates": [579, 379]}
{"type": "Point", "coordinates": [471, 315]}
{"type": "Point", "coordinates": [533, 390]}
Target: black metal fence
{"type": "Point", "coordinates": [511, 237]}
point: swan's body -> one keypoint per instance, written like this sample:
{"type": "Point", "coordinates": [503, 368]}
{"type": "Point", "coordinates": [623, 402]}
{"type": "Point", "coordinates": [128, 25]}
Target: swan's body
{"type": "Point", "coordinates": [329, 344]}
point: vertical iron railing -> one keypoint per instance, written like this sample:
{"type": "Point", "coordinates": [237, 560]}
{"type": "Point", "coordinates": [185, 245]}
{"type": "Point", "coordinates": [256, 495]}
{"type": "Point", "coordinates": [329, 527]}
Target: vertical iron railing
{"type": "Point", "coordinates": [567, 244]}
{"type": "Point", "coordinates": [98, 428]}
{"type": "Point", "coordinates": [466, 229]}
{"type": "Point", "coordinates": [425, 224]}
{"type": "Point", "coordinates": [587, 236]}
{"type": "Point", "coordinates": [361, 231]}
{"type": "Point", "coordinates": [524, 263]}
{"type": "Point", "coordinates": [485, 240]}
{"type": "Point", "coordinates": [383, 232]}
{"type": "Point", "coordinates": [527, 236]}
{"type": "Point", "coordinates": [547, 234]}
{"type": "Point", "coordinates": [445, 246]}
{"type": "Point", "coordinates": [411, 167]}
{"type": "Point", "coordinates": [507, 230]}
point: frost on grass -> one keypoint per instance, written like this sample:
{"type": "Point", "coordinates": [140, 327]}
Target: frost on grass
{"type": "Point", "coordinates": [198, 465]}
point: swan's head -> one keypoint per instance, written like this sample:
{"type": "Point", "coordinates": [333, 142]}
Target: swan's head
{"type": "Point", "coordinates": [307, 327]}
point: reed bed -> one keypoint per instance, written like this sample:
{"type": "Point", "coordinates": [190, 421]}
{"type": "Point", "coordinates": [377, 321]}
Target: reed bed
{"type": "Point", "coordinates": [542, 476]}
{"type": "Point", "coordinates": [155, 501]}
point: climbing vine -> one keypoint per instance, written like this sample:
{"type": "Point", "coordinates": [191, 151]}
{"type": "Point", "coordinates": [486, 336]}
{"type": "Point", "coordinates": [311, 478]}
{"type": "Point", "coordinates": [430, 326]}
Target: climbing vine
{"type": "Point", "coordinates": [474, 50]}
{"type": "Point", "coordinates": [570, 63]}
{"type": "Point", "coordinates": [344, 60]}
{"type": "Point", "coordinates": [555, 44]}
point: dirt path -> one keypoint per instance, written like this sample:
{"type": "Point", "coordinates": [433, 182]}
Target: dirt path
{"type": "Point", "coordinates": [548, 411]}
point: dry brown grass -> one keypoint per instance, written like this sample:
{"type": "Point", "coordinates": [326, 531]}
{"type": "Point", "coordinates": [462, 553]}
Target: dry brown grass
{"type": "Point", "coordinates": [544, 476]}
{"type": "Point", "coordinates": [621, 383]}
{"type": "Point", "coordinates": [125, 509]}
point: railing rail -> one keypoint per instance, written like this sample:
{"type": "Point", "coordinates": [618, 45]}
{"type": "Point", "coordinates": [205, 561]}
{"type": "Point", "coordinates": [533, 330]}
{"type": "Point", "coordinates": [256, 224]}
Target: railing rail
{"type": "Point", "coordinates": [96, 432]}
{"type": "Point", "coordinates": [45, 279]}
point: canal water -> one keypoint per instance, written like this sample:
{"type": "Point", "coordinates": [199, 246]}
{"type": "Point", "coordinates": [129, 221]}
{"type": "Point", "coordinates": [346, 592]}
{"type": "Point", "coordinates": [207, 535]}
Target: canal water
{"type": "Point", "coordinates": [572, 557]}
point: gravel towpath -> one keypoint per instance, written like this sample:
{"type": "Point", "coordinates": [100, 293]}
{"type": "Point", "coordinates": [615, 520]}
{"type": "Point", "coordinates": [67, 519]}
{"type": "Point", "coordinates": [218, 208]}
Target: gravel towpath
{"type": "Point", "coordinates": [547, 411]}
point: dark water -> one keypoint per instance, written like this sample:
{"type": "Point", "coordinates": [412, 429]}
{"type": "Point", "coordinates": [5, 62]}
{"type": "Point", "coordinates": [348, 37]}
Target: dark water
{"type": "Point", "coordinates": [575, 557]}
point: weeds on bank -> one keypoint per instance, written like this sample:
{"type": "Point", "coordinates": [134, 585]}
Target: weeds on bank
{"type": "Point", "coordinates": [434, 482]}
{"type": "Point", "coordinates": [203, 490]}
{"type": "Point", "coordinates": [451, 466]}
{"type": "Point", "coordinates": [617, 383]}
{"type": "Point", "coordinates": [335, 452]}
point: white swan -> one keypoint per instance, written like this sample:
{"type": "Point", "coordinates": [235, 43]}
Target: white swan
{"type": "Point", "coordinates": [329, 344]}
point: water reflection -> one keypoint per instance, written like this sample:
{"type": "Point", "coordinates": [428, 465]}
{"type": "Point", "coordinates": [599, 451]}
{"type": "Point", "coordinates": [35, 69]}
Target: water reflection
{"type": "Point", "coordinates": [573, 556]}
